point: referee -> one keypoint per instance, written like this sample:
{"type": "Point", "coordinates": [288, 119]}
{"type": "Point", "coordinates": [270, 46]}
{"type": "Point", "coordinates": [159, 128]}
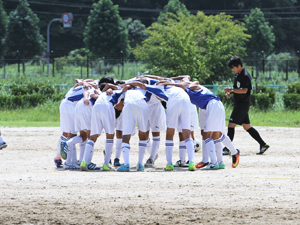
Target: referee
{"type": "Point", "coordinates": [241, 95]}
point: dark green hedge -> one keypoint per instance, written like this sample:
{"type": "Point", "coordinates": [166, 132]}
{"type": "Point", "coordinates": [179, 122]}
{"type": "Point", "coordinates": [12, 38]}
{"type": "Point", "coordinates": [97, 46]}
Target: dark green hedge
{"type": "Point", "coordinates": [293, 88]}
{"type": "Point", "coordinates": [291, 101]}
{"type": "Point", "coordinates": [22, 101]}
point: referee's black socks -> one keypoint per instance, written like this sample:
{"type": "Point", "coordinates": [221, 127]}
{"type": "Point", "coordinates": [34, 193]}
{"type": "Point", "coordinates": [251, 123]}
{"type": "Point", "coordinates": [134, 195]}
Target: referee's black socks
{"type": "Point", "coordinates": [254, 133]}
{"type": "Point", "coordinates": [230, 133]}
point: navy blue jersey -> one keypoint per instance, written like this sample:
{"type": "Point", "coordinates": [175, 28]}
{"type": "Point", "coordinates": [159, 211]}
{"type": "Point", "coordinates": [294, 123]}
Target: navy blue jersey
{"type": "Point", "coordinates": [201, 97]}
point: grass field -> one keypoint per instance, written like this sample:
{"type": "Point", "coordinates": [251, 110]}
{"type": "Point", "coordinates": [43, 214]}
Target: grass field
{"type": "Point", "coordinates": [47, 115]}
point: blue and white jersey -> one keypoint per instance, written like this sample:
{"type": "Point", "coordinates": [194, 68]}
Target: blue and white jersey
{"type": "Point", "coordinates": [75, 94]}
{"type": "Point", "coordinates": [201, 97]}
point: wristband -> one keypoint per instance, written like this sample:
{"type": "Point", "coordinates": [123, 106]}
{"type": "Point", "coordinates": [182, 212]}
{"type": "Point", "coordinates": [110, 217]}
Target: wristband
{"type": "Point", "coordinates": [232, 90]}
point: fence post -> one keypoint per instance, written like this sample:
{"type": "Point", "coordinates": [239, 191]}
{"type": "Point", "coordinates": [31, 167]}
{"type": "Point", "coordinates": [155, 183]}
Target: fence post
{"type": "Point", "coordinates": [18, 54]}
{"type": "Point", "coordinates": [52, 56]}
{"type": "Point", "coordinates": [286, 70]}
{"type": "Point", "coordinates": [263, 62]}
{"type": "Point", "coordinates": [298, 64]}
{"type": "Point", "coordinates": [122, 62]}
{"type": "Point", "coordinates": [87, 66]}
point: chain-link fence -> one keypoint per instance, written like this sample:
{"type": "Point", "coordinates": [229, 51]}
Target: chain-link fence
{"type": "Point", "coordinates": [285, 70]}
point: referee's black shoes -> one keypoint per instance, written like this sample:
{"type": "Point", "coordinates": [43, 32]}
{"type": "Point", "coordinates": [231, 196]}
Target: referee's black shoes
{"type": "Point", "coordinates": [263, 149]}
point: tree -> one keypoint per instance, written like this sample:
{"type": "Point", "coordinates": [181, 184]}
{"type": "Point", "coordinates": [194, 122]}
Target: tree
{"type": "Point", "coordinates": [3, 22]}
{"type": "Point", "coordinates": [106, 34]}
{"type": "Point", "coordinates": [136, 32]}
{"type": "Point", "coordinates": [174, 7]}
{"type": "Point", "coordinates": [262, 36]}
{"type": "Point", "coordinates": [196, 45]}
{"type": "Point", "coordinates": [23, 33]}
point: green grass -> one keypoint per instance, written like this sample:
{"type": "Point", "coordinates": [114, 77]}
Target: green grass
{"type": "Point", "coordinates": [47, 115]}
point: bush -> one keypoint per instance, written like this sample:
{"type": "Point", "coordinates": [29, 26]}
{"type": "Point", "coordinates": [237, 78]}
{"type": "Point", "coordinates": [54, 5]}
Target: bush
{"type": "Point", "coordinates": [57, 97]}
{"type": "Point", "coordinates": [291, 101]}
{"type": "Point", "coordinates": [261, 100]}
{"type": "Point", "coordinates": [267, 90]}
{"type": "Point", "coordinates": [22, 101]}
{"type": "Point", "coordinates": [15, 90]}
{"type": "Point", "coordinates": [293, 88]}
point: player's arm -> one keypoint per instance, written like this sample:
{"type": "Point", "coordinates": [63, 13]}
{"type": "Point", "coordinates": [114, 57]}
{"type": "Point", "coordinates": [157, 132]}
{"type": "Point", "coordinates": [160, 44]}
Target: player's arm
{"type": "Point", "coordinates": [86, 96]}
{"type": "Point", "coordinates": [110, 86]}
{"type": "Point", "coordinates": [172, 84]}
{"type": "Point", "coordinates": [181, 77]}
{"type": "Point", "coordinates": [137, 84]}
{"type": "Point", "coordinates": [153, 77]}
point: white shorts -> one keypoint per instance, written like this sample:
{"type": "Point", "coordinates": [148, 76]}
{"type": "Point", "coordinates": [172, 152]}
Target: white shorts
{"type": "Point", "coordinates": [103, 117]}
{"type": "Point", "coordinates": [157, 118]}
{"type": "Point", "coordinates": [194, 119]}
{"type": "Point", "coordinates": [215, 117]}
{"type": "Point", "coordinates": [202, 113]}
{"type": "Point", "coordinates": [67, 113]}
{"type": "Point", "coordinates": [83, 116]}
{"type": "Point", "coordinates": [179, 113]}
{"type": "Point", "coordinates": [135, 113]}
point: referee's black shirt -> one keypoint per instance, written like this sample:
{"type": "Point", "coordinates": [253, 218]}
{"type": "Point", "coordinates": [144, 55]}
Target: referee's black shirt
{"type": "Point", "coordinates": [242, 80]}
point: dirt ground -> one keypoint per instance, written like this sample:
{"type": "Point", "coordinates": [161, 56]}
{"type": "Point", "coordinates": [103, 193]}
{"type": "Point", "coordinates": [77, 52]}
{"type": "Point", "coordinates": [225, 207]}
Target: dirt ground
{"type": "Point", "coordinates": [263, 189]}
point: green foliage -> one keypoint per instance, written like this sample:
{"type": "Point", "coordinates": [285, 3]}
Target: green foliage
{"type": "Point", "coordinates": [291, 101]}
{"type": "Point", "coordinates": [22, 101]}
{"type": "Point", "coordinates": [23, 33]}
{"type": "Point", "coordinates": [173, 7]}
{"type": "Point", "coordinates": [136, 32]}
{"type": "Point", "coordinates": [261, 100]}
{"type": "Point", "coordinates": [3, 21]}
{"type": "Point", "coordinates": [293, 88]}
{"type": "Point", "coordinates": [106, 34]}
{"type": "Point", "coordinates": [262, 36]}
{"type": "Point", "coordinates": [197, 45]}
{"type": "Point", "coordinates": [268, 91]}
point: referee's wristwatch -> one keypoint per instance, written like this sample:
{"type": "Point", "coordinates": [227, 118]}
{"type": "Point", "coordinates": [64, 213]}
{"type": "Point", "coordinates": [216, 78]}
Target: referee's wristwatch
{"type": "Point", "coordinates": [232, 90]}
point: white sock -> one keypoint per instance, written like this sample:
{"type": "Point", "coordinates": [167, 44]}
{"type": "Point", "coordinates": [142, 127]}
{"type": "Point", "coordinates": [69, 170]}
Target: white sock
{"type": "Point", "coordinates": [154, 147]}
{"type": "Point", "coordinates": [190, 149]}
{"type": "Point", "coordinates": [74, 140]}
{"type": "Point", "coordinates": [227, 142]}
{"type": "Point", "coordinates": [142, 149]}
{"type": "Point", "coordinates": [74, 154]}
{"type": "Point", "coordinates": [210, 146]}
{"type": "Point", "coordinates": [118, 148]}
{"type": "Point", "coordinates": [126, 150]}
{"type": "Point", "coordinates": [148, 142]}
{"type": "Point", "coordinates": [82, 148]}
{"type": "Point", "coordinates": [108, 150]}
{"type": "Point", "coordinates": [182, 151]}
{"type": "Point", "coordinates": [219, 150]}
{"type": "Point", "coordinates": [69, 154]}
{"type": "Point", "coordinates": [205, 157]}
{"type": "Point", "coordinates": [61, 138]}
{"type": "Point", "coordinates": [88, 152]}
{"type": "Point", "coordinates": [1, 140]}
{"type": "Point", "coordinates": [169, 151]}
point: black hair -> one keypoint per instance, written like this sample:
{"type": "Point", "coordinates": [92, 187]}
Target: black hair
{"type": "Point", "coordinates": [101, 86]}
{"type": "Point", "coordinates": [235, 61]}
{"type": "Point", "coordinates": [143, 80]}
{"type": "Point", "coordinates": [109, 80]}
{"type": "Point", "coordinates": [120, 82]}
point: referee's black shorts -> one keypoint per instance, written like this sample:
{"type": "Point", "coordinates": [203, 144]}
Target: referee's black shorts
{"type": "Point", "coordinates": [240, 113]}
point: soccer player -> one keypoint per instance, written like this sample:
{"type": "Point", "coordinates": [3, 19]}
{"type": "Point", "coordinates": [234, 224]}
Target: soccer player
{"type": "Point", "coordinates": [241, 91]}
{"type": "Point", "coordinates": [135, 111]}
{"type": "Point", "coordinates": [2, 142]}
{"type": "Point", "coordinates": [214, 123]}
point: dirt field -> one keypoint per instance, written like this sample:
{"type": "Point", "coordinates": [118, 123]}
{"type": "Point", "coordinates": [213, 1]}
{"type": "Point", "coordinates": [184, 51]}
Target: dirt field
{"type": "Point", "coordinates": [261, 190]}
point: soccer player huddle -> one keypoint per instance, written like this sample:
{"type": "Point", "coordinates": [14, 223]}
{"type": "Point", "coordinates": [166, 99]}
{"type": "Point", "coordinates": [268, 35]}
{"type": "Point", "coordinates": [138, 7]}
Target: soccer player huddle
{"type": "Point", "coordinates": [150, 103]}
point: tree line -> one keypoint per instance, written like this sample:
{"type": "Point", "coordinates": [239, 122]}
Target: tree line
{"type": "Point", "coordinates": [175, 37]}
